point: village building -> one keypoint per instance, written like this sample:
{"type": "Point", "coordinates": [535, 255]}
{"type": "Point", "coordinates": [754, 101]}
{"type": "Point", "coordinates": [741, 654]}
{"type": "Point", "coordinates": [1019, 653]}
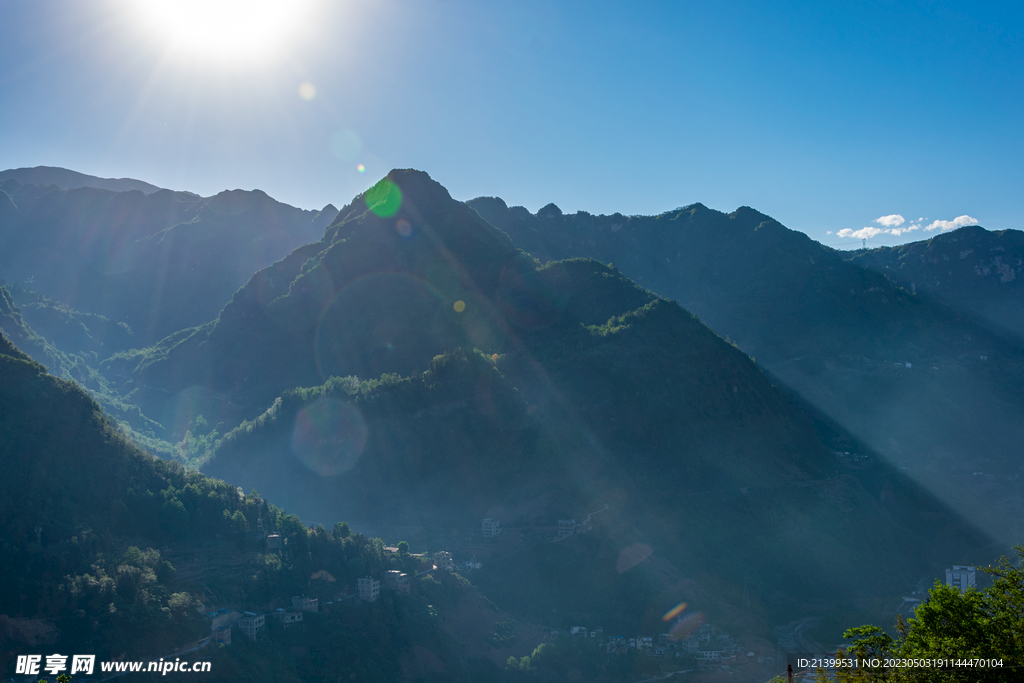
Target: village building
{"type": "Point", "coordinates": [251, 623]}
{"type": "Point", "coordinates": [222, 636]}
{"type": "Point", "coordinates": [443, 560]}
{"type": "Point", "coordinates": [287, 617]}
{"type": "Point", "coordinates": [304, 604]}
{"type": "Point", "coordinates": [369, 589]}
{"type": "Point", "coordinates": [222, 618]}
{"type": "Point", "coordinates": [961, 578]}
{"type": "Point", "coordinates": [397, 581]}
{"type": "Point", "coordinates": [274, 542]}
{"type": "Point", "coordinates": [491, 527]}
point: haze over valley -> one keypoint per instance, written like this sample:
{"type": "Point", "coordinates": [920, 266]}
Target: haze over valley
{"type": "Point", "coordinates": [426, 363]}
{"type": "Point", "coordinates": [456, 342]}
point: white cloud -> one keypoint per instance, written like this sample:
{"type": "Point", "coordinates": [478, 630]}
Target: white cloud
{"type": "Point", "coordinates": [958, 222]}
{"type": "Point", "coordinates": [828, 232]}
{"type": "Point", "coordinates": [891, 221]}
{"type": "Point", "coordinates": [894, 226]}
{"type": "Point", "coordinates": [862, 234]}
{"type": "Point", "coordinates": [900, 231]}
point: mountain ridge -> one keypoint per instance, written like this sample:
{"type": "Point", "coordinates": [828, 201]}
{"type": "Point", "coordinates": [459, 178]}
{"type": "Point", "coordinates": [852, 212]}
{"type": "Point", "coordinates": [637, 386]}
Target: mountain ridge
{"type": "Point", "coordinates": [67, 179]}
{"type": "Point", "coordinates": [971, 269]}
{"type": "Point", "coordinates": [829, 328]}
{"type": "Point", "coordinates": [158, 262]}
{"type": "Point", "coordinates": [491, 382]}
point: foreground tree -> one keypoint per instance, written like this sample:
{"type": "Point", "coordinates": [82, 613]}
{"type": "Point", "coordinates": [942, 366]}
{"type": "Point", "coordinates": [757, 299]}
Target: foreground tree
{"type": "Point", "coordinates": [953, 636]}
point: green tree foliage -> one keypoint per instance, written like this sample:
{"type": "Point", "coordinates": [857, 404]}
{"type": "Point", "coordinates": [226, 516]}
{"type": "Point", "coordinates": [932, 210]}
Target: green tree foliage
{"type": "Point", "coordinates": [576, 659]}
{"type": "Point", "coordinates": [956, 627]}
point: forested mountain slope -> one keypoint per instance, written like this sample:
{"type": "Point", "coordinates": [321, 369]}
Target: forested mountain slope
{"type": "Point", "coordinates": [971, 269]}
{"type": "Point", "coordinates": [157, 262]}
{"type": "Point", "coordinates": [926, 385]}
{"type": "Point", "coordinates": [582, 389]}
{"type": "Point", "coordinates": [109, 551]}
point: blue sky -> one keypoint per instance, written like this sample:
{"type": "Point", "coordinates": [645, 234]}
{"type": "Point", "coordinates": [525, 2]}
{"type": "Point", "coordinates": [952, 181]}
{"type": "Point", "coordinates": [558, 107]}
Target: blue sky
{"type": "Point", "coordinates": [826, 116]}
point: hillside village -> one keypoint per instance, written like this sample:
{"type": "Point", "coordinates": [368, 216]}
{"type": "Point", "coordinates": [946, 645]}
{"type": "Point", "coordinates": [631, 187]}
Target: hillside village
{"type": "Point", "coordinates": [692, 644]}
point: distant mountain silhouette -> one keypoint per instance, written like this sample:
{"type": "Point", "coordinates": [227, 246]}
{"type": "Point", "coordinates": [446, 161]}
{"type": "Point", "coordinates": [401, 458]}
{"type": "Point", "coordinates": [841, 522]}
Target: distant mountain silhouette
{"type": "Point", "coordinates": [583, 389]}
{"type": "Point", "coordinates": [65, 179]}
{"type": "Point", "coordinates": [924, 384]}
{"type": "Point", "coordinates": [158, 262]}
{"type": "Point", "coordinates": [971, 269]}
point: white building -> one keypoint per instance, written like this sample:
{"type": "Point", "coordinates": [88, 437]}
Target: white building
{"type": "Point", "coordinates": [491, 528]}
{"type": "Point", "coordinates": [369, 589]}
{"type": "Point", "coordinates": [287, 617]}
{"type": "Point", "coordinates": [304, 604]}
{"type": "Point", "coordinates": [566, 527]}
{"type": "Point", "coordinates": [251, 623]}
{"type": "Point", "coordinates": [443, 560]}
{"type": "Point", "coordinates": [961, 578]}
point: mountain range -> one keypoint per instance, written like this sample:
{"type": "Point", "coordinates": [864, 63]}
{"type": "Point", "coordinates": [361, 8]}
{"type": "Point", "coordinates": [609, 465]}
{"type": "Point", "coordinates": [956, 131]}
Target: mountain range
{"type": "Point", "coordinates": [66, 179]}
{"type": "Point", "coordinates": [416, 362]}
{"type": "Point", "coordinates": [533, 390]}
{"type": "Point", "coordinates": [925, 381]}
{"type": "Point", "coordinates": [970, 269]}
{"type": "Point", "coordinates": [110, 551]}
{"type": "Point", "coordinates": [157, 262]}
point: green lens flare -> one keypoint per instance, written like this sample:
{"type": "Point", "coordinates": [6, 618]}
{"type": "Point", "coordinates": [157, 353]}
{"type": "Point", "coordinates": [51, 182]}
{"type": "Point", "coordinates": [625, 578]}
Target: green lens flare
{"type": "Point", "coordinates": [384, 198]}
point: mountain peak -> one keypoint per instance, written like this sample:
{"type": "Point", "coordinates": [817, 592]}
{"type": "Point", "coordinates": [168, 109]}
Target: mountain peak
{"type": "Point", "coordinates": [747, 213]}
{"type": "Point", "coordinates": [967, 231]}
{"type": "Point", "coordinates": [549, 211]}
{"type": "Point", "coordinates": [418, 187]}
{"type": "Point", "coordinates": [494, 210]}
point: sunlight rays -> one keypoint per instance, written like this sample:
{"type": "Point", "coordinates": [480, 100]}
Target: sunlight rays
{"type": "Point", "coordinates": [225, 31]}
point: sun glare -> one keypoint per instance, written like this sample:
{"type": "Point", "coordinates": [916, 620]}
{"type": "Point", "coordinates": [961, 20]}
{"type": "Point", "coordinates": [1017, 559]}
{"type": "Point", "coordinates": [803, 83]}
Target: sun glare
{"type": "Point", "coordinates": [224, 30]}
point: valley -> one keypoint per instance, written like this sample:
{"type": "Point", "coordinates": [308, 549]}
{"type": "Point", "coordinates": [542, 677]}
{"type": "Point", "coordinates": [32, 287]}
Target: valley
{"type": "Point", "coordinates": [756, 426]}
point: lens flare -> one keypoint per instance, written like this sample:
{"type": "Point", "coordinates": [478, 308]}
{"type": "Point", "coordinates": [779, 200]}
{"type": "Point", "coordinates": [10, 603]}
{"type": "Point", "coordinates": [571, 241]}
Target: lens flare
{"type": "Point", "coordinates": [307, 91]}
{"type": "Point", "coordinates": [686, 626]}
{"type": "Point", "coordinates": [346, 145]}
{"type": "Point", "coordinates": [403, 227]}
{"type": "Point", "coordinates": [384, 198]}
{"type": "Point", "coordinates": [361, 168]}
{"type": "Point", "coordinates": [459, 306]}
{"type": "Point", "coordinates": [329, 436]}
{"type": "Point", "coordinates": [632, 556]}
{"type": "Point", "coordinates": [674, 612]}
